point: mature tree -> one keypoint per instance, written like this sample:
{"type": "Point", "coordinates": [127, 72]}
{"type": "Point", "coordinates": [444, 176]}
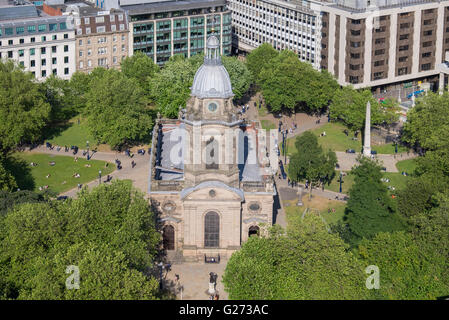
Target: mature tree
{"type": "Point", "coordinates": [23, 110]}
{"type": "Point", "coordinates": [370, 209]}
{"type": "Point", "coordinates": [260, 58]}
{"type": "Point", "coordinates": [109, 233]}
{"type": "Point", "coordinates": [7, 180]}
{"type": "Point", "coordinates": [239, 74]}
{"type": "Point", "coordinates": [59, 95]}
{"type": "Point", "coordinates": [289, 83]}
{"type": "Point", "coordinates": [279, 81]}
{"type": "Point", "coordinates": [431, 177]}
{"type": "Point", "coordinates": [407, 270]}
{"type": "Point", "coordinates": [116, 110]}
{"type": "Point", "coordinates": [78, 88]}
{"type": "Point", "coordinates": [349, 106]}
{"type": "Point", "coordinates": [307, 263]}
{"type": "Point", "coordinates": [10, 199]}
{"type": "Point", "coordinates": [140, 67]}
{"type": "Point", "coordinates": [427, 123]}
{"type": "Point", "coordinates": [311, 163]}
{"type": "Point", "coordinates": [170, 88]}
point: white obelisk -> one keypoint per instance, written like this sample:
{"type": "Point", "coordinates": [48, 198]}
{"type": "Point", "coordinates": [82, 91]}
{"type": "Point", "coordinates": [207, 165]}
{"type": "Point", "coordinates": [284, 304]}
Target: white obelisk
{"type": "Point", "coordinates": [367, 142]}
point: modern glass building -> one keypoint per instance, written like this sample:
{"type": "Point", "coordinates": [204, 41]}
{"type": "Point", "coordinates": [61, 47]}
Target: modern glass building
{"type": "Point", "coordinates": [165, 28]}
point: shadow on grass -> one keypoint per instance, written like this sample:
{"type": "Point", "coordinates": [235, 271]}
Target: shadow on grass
{"type": "Point", "coordinates": [21, 171]}
{"type": "Point", "coordinates": [55, 130]}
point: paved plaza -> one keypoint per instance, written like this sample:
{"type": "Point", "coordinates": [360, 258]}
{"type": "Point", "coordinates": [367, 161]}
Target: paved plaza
{"type": "Point", "coordinates": [194, 280]}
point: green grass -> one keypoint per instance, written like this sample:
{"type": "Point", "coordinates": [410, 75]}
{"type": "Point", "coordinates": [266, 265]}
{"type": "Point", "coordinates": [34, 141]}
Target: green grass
{"type": "Point", "coordinates": [348, 181]}
{"type": "Point", "coordinates": [294, 212]}
{"type": "Point", "coordinates": [63, 170]}
{"type": "Point", "coordinates": [335, 139]}
{"type": "Point", "coordinates": [397, 180]}
{"type": "Point", "coordinates": [267, 124]}
{"type": "Point", "coordinates": [408, 166]}
{"type": "Point", "coordinates": [389, 148]}
{"type": "Point", "coordinates": [74, 135]}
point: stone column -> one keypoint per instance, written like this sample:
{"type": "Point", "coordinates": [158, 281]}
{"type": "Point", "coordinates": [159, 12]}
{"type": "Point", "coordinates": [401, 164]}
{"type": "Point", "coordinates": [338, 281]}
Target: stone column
{"type": "Point", "coordinates": [413, 100]}
{"type": "Point", "coordinates": [367, 142]}
{"type": "Point", "coordinates": [441, 83]}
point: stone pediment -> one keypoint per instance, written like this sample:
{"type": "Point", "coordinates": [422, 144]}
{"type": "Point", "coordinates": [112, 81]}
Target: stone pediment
{"type": "Point", "coordinates": [212, 190]}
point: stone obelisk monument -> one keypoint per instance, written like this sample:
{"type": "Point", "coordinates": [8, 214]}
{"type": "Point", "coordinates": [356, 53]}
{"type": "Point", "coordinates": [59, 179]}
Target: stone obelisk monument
{"type": "Point", "coordinates": [367, 142]}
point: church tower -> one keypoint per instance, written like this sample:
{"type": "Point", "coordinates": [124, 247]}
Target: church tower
{"type": "Point", "coordinates": [211, 122]}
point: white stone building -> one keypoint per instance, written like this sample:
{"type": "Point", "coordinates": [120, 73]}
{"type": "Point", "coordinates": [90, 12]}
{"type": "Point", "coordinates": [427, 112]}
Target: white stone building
{"type": "Point", "coordinates": [42, 44]}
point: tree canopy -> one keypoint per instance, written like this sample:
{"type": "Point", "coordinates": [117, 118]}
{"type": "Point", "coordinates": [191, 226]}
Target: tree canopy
{"type": "Point", "coordinates": [24, 111]}
{"type": "Point", "coordinates": [259, 59]}
{"type": "Point", "coordinates": [116, 110]}
{"type": "Point", "coordinates": [239, 74]}
{"type": "Point", "coordinates": [370, 209]}
{"type": "Point", "coordinates": [140, 67]}
{"type": "Point", "coordinates": [108, 233]}
{"type": "Point", "coordinates": [407, 270]}
{"type": "Point", "coordinates": [306, 263]}
{"type": "Point", "coordinates": [427, 123]}
{"type": "Point", "coordinates": [311, 163]}
{"type": "Point", "coordinates": [349, 106]}
{"type": "Point", "coordinates": [288, 83]}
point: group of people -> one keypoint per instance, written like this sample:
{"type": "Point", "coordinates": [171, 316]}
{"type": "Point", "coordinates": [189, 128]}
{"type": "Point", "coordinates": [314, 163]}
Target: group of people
{"type": "Point", "coordinates": [290, 130]}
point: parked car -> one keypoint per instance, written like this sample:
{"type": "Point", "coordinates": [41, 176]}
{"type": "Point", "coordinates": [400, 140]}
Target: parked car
{"type": "Point", "coordinates": [350, 151]}
{"type": "Point", "coordinates": [62, 198]}
{"type": "Point", "coordinates": [373, 152]}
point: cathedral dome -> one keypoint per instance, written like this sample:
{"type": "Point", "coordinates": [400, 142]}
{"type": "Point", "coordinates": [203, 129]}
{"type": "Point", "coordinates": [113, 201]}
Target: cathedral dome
{"type": "Point", "coordinates": [212, 80]}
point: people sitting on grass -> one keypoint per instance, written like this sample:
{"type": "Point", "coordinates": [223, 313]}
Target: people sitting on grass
{"type": "Point", "coordinates": [88, 165]}
{"type": "Point", "coordinates": [33, 164]}
{"type": "Point", "coordinates": [76, 159]}
{"type": "Point", "coordinates": [76, 175]}
{"type": "Point", "coordinates": [47, 176]}
{"type": "Point", "coordinates": [51, 163]}
{"type": "Point", "coordinates": [64, 182]}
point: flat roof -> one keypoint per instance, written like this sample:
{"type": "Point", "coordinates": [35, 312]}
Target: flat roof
{"type": "Point", "coordinates": [166, 6]}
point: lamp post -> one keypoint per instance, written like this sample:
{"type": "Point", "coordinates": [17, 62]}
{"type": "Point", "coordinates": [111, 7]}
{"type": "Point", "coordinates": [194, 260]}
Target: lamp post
{"type": "Point", "coordinates": [161, 267]}
{"type": "Point", "coordinates": [87, 147]}
{"type": "Point", "coordinates": [341, 181]}
{"type": "Point", "coordinates": [99, 176]}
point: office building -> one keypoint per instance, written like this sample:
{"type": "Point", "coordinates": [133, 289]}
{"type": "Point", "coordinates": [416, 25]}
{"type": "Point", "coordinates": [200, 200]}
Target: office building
{"type": "Point", "coordinates": [382, 44]}
{"type": "Point", "coordinates": [42, 44]}
{"type": "Point", "coordinates": [102, 36]}
{"type": "Point", "coordinates": [162, 29]}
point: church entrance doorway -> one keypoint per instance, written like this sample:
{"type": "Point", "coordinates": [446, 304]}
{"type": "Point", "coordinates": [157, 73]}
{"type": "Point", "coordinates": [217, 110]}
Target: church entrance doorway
{"type": "Point", "coordinates": [168, 237]}
{"type": "Point", "coordinates": [253, 231]}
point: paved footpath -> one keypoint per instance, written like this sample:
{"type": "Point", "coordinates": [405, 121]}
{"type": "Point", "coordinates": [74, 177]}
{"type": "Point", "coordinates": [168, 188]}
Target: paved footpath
{"type": "Point", "coordinates": [347, 160]}
{"type": "Point", "coordinates": [138, 174]}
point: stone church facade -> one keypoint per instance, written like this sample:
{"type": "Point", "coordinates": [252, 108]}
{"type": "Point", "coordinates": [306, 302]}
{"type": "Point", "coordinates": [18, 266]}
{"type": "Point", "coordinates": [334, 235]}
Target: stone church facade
{"type": "Point", "coordinates": [209, 182]}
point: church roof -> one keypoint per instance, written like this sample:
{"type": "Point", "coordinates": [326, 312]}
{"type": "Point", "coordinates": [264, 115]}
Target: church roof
{"type": "Point", "coordinates": [212, 80]}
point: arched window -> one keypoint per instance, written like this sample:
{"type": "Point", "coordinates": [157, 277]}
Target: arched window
{"type": "Point", "coordinates": [253, 231]}
{"type": "Point", "coordinates": [168, 237]}
{"type": "Point", "coordinates": [211, 230]}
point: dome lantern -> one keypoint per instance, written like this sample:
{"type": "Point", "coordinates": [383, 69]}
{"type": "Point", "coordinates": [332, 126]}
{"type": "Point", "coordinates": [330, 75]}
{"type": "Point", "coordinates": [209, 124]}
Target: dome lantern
{"type": "Point", "coordinates": [212, 80]}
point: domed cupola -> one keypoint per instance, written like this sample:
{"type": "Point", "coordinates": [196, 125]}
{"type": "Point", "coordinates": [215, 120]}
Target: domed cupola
{"type": "Point", "coordinates": [212, 80]}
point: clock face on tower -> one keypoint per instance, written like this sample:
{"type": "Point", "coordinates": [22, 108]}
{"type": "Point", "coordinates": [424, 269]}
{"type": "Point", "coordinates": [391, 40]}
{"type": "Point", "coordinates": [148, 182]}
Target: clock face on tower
{"type": "Point", "coordinates": [212, 106]}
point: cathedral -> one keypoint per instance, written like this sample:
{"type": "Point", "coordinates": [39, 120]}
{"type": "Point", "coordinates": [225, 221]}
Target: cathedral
{"type": "Point", "coordinates": [210, 182]}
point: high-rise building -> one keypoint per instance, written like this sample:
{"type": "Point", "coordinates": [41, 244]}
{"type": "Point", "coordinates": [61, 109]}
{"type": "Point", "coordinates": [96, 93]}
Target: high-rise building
{"type": "Point", "coordinates": [162, 29]}
{"type": "Point", "coordinates": [42, 44]}
{"type": "Point", "coordinates": [293, 25]}
{"type": "Point", "coordinates": [366, 43]}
